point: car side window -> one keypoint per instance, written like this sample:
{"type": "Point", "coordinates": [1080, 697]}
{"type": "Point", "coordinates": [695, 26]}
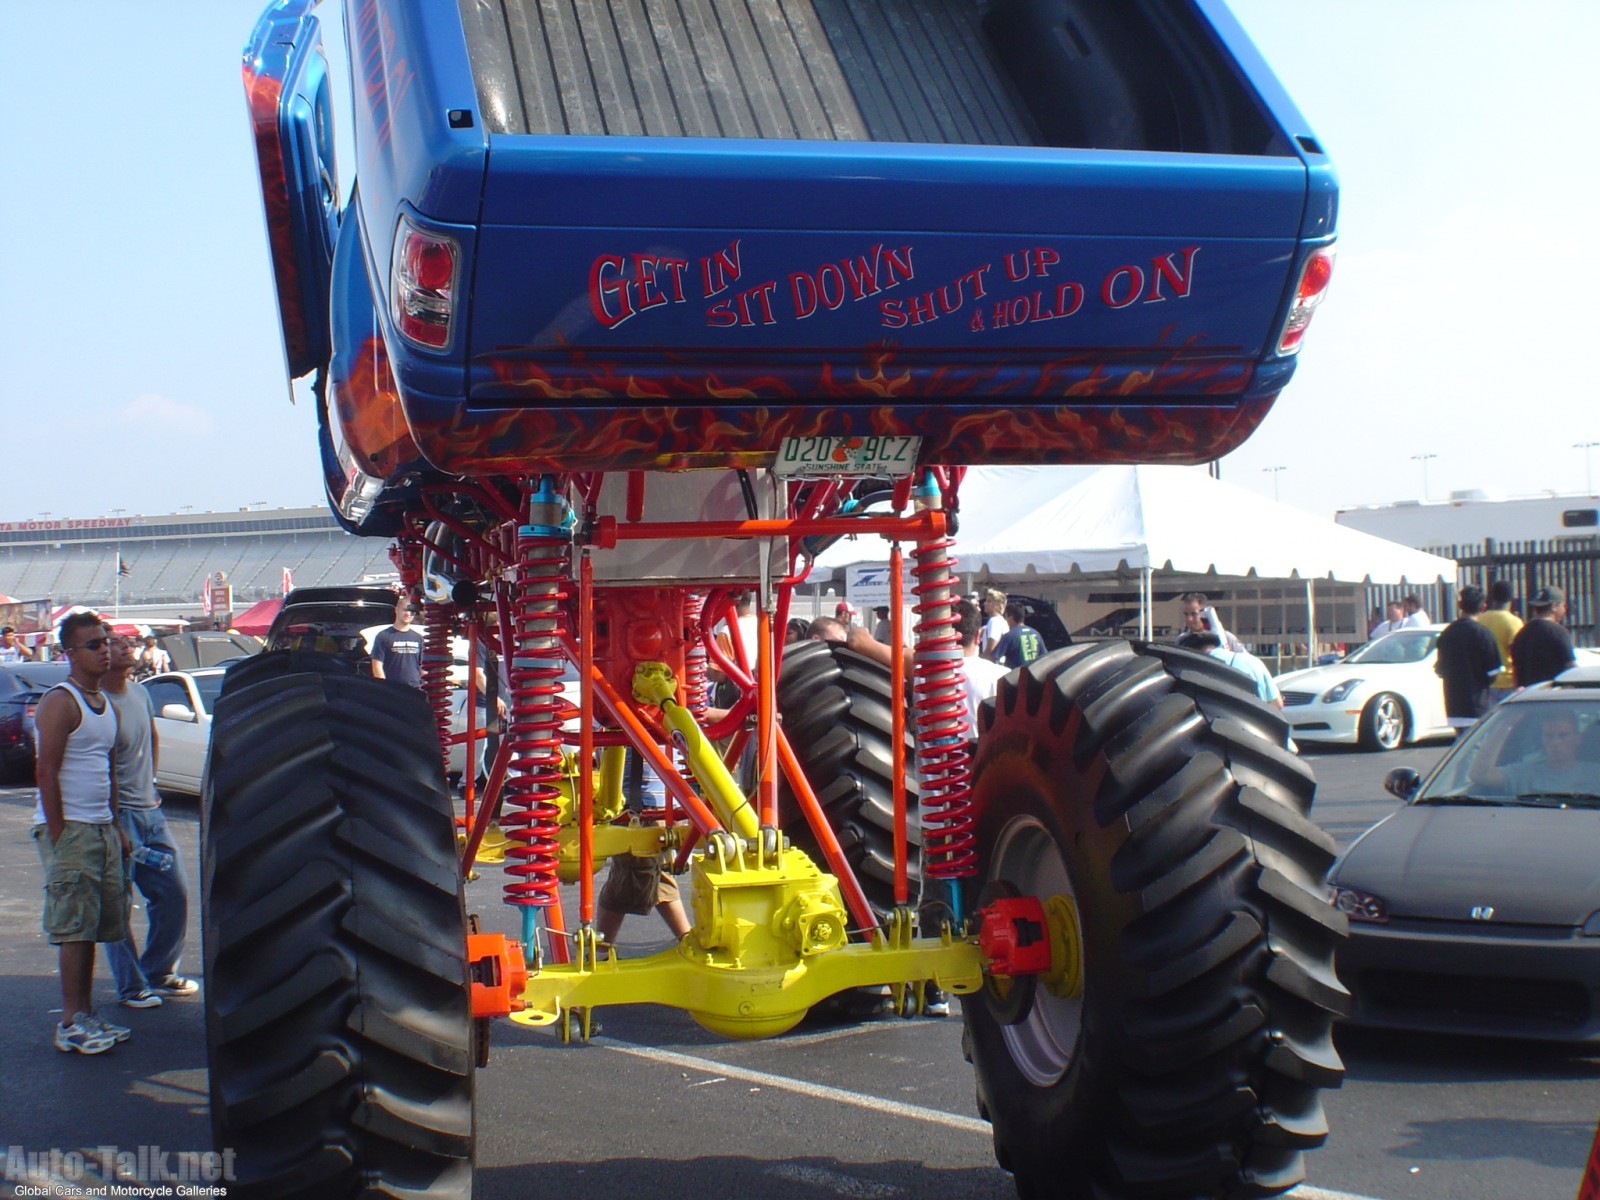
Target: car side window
{"type": "Point", "coordinates": [167, 691]}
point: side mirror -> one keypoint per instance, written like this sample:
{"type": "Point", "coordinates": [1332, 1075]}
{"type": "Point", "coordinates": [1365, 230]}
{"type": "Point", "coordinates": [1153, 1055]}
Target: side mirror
{"type": "Point", "coordinates": [1402, 783]}
{"type": "Point", "coordinates": [178, 712]}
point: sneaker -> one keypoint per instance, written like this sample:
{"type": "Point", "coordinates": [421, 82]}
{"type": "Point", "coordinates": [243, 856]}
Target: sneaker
{"type": "Point", "coordinates": [935, 1002]}
{"type": "Point", "coordinates": [117, 1033]}
{"type": "Point", "coordinates": [143, 998]}
{"type": "Point", "coordinates": [174, 985]}
{"type": "Point", "coordinates": [84, 1038]}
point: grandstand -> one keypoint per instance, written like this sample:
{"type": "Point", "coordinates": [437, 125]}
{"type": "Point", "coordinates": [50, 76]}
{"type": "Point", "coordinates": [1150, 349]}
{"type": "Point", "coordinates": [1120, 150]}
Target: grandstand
{"type": "Point", "coordinates": [167, 559]}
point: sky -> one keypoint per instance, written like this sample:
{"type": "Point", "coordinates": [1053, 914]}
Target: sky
{"type": "Point", "coordinates": [140, 368]}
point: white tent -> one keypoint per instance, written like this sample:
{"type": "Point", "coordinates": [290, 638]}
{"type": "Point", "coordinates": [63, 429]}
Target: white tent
{"type": "Point", "coordinates": [1180, 519]}
{"type": "Point", "coordinates": [1056, 522]}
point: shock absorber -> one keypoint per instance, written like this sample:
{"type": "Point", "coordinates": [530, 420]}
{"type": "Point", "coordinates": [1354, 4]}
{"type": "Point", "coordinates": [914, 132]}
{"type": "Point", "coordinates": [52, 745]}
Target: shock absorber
{"type": "Point", "coordinates": [530, 816]}
{"type": "Point", "coordinates": [696, 677]}
{"type": "Point", "coordinates": [939, 710]}
{"type": "Point", "coordinates": [408, 558]}
{"type": "Point", "coordinates": [436, 661]}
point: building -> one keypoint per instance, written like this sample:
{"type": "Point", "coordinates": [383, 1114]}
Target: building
{"type": "Point", "coordinates": [1476, 516]}
{"type": "Point", "coordinates": [1529, 541]}
{"type": "Point", "coordinates": [139, 564]}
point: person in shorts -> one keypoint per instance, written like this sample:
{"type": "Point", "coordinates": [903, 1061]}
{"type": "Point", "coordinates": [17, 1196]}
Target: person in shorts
{"type": "Point", "coordinates": [636, 884]}
{"type": "Point", "coordinates": [80, 844]}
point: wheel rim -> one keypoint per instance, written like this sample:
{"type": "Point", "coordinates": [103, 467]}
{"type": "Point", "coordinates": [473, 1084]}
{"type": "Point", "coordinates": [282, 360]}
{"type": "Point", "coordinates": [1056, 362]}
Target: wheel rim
{"type": "Point", "coordinates": [1390, 722]}
{"type": "Point", "coordinates": [1043, 1044]}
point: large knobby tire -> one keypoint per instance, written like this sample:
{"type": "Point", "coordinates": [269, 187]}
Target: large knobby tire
{"type": "Point", "coordinates": [338, 1016]}
{"type": "Point", "coordinates": [1383, 723]}
{"type": "Point", "coordinates": [1150, 786]}
{"type": "Point", "coordinates": [838, 715]}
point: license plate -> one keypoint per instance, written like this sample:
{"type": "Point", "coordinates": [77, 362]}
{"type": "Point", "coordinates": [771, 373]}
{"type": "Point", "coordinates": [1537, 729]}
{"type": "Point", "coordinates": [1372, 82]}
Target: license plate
{"type": "Point", "coordinates": [803, 456]}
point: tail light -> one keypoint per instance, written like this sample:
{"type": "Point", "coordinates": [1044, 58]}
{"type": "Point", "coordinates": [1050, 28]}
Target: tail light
{"type": "Point", "coordinates": [1315, 275]}
{"type": "Point", "coordinates": [423, 281]}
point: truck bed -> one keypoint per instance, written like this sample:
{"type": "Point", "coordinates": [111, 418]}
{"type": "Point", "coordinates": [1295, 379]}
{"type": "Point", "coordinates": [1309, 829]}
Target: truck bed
{"type": "Point", "coordinates": [829, 70]}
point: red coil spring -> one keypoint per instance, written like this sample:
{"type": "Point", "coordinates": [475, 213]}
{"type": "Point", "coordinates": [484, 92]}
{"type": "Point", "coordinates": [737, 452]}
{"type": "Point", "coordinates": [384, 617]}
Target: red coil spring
{"type": "Point", "coordinates": [530, 816]}
{"type": "Point", "coordinates": [697, 678]}
{"type": "Point", "coordinates": [940, 715]}
{"type": "Point", "coordinates": [436, 660]}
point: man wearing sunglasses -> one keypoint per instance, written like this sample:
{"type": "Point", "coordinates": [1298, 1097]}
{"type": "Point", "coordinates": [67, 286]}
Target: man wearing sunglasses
{"type": "Point", "coordinates": [397, 651]}
{"type": "Point", "coordinates": [75, 830]}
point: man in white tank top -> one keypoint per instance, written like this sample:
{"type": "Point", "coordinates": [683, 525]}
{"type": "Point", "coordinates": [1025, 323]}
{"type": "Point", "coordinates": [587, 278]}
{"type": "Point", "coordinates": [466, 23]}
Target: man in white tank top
{"type": "Point", "coordinates": [85, 882]}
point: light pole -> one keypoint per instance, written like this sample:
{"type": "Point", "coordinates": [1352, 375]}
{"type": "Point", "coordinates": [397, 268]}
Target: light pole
{"type": "Point", "coordinates": [116, 603]}
{"type": "Point", "coordinates": [1273, 471]}
{"type": "Point", "coordinates": [1588, 464]}
{"type": "Point", "coordinates": [1423, 459]}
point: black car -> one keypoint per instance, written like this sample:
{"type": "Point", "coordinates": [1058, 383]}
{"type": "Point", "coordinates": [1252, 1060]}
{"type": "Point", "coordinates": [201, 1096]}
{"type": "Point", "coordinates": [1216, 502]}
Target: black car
{"type": "Point", "coordinates": [21, 685]}
{"type": "Point", "coordinates": [1476, 908]}
{"type": "Point", "coordinates": [330, 620]}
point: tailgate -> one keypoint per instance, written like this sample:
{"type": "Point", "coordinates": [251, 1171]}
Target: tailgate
{"type": "Point", "coordinates": [680, 265]}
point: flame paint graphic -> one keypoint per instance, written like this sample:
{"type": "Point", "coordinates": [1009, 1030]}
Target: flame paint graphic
{"type": "Point", "coordinates": [530, 414]}
{"type": "Point", "coordinates": [367, 403]}
{"type": "Point", "coordinates": [261, 94]}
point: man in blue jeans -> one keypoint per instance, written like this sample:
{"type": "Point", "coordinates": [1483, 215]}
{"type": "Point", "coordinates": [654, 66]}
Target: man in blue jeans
{"type": "Point", "coordinates": [157, 869]}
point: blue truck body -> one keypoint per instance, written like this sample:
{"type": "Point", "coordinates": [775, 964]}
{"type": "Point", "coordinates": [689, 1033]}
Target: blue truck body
{"type": "Point", "coordinates": [626, 292]}
{"type": "Point", "coordinates": [620, 311]}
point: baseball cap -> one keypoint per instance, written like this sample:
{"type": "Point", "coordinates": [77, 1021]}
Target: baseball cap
{"type": "Point", "coordinates": [1549, 597]}
{"type": "Point", "coordinates": [844, 609]}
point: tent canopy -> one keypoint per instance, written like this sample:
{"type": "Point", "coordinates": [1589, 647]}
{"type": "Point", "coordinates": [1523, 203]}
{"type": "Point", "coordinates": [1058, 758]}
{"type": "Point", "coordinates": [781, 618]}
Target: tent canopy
{"type": "Point", "coordinates": [1062, 521]}
{"type": "Point", "coordinates": [257, 619]}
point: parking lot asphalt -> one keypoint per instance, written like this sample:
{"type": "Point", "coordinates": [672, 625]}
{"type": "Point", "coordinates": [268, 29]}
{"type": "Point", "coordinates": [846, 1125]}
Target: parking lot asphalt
{"type": "Point", "coordinates": [884, 1109]}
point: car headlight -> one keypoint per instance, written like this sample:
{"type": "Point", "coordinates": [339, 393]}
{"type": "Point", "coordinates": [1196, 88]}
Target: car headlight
{"type": "Point", "coordinates": [1339, 691]}
{"type": "Point", "coordinates": [1591, 927]}
{"type": "Point", "coordinates": [1360, 906]}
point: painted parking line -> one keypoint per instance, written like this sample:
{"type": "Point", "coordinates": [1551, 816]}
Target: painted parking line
{"type": "Point", "coordinates": [837, 1182]}
{"type": "Point", "coordinates": [915, 1112]}
{"type": "Point", "coordinates": [800, 1087]}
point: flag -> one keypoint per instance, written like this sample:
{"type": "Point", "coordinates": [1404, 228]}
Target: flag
{"type": "Point", "coordinates": [122, 567]}
{"type": "Point", "coordinates": [288, 581]}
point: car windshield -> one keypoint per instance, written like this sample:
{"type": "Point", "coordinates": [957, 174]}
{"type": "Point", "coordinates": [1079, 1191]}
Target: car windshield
{"type": "Point", "coordinates": [1406, 646]}
{"type": "Point", "coordinates": [1539, 754]}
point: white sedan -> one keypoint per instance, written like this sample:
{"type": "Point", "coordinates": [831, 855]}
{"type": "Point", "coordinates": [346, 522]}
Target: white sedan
{"type": "Point", "coordinates": [1379, 697]}
{"type": "Point", "coordinates": [183, 701]}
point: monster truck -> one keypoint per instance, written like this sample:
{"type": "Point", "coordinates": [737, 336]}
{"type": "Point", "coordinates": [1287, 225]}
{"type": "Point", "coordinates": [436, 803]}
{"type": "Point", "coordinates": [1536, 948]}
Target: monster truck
{"type": "Point", "coordinates": [607, 309]}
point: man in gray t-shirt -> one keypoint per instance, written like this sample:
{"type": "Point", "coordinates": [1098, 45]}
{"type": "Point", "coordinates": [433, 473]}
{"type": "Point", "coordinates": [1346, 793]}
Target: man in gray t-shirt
{"type": "Point", "coordinates": [157, 869]}
{"type": "Point", "coordinates": [1557, 771]}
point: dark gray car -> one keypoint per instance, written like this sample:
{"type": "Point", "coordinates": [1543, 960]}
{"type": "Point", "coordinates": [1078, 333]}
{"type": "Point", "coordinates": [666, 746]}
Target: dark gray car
{"type": "Point", "coordinates": [1476, 908]}
{"type": "Point", "coordinates": [21, 685]}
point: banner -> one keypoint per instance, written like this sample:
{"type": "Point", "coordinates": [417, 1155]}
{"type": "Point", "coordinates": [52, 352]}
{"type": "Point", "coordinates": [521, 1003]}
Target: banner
{"type": "Point", "coordinates": [217, 596]}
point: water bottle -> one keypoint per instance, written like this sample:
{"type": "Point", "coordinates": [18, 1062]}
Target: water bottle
{"type": "Point", "coordinates": [158, 860]}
